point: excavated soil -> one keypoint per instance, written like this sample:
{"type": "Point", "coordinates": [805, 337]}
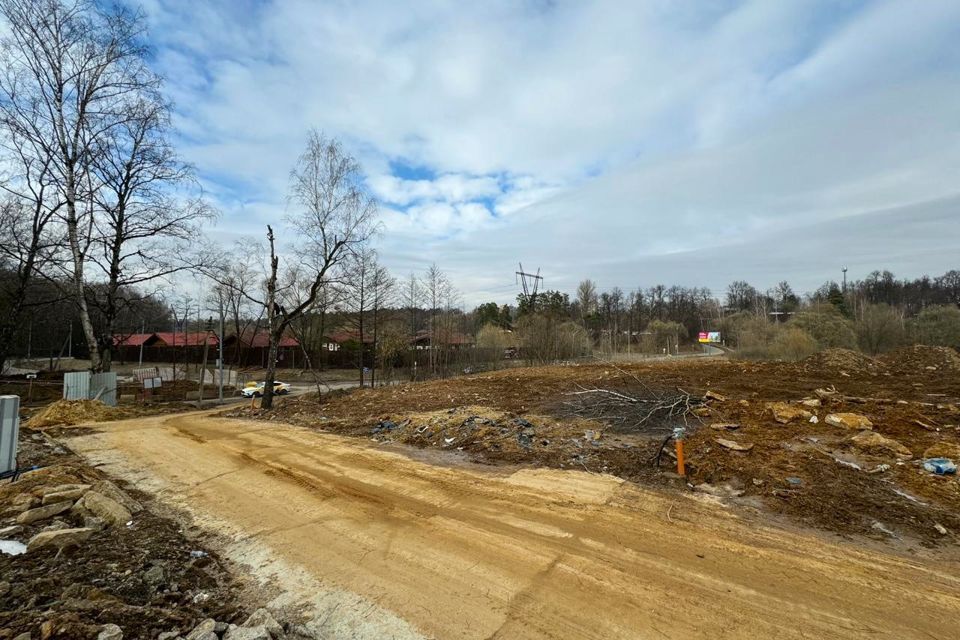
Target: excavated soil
{"type": "Point", "coordinates": [813, 473]}
{"type": "Point", "coordinates": [65, 413]}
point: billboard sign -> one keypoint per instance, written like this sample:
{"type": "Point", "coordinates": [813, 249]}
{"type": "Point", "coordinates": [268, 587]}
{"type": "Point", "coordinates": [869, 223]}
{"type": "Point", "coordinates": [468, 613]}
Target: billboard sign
{"type": "Point", "coordinates": [708, 337]}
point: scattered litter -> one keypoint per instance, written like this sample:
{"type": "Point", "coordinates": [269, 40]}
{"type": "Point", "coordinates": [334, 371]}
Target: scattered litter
{"type": "Point", "coordinates": [940, 466]}
{"type": "Point", "coordinates": [904, 494]}
{"type": "Point", "coordinates": [942, 530]}
{"type": "Point", "coordinates": [449, 440]}
{"type": "Point", "coordinates": [384, 425]}
{"type": "Point", "coordinates": [827, 393]}
{"type": "Point", "coordinates": [719, 491]}
{"type": "Point", "coordinates": [847, 463]}
{"type": "Point", "coordinates": [879, 526]}
{"type": "Point", "coordinates": [814, 420]}
{"type": "Point", "coordinates": [794, 480]}
{"type": "Point", "coordinates": [735, 446]}
{"type": "Point", "coordinates": [724, 426]}
{"type": "Point", "coordinates": [12, 547]}
{"type": "Point", "coordinates": [198, 554]}
{"type": "Point", "coordinates": [713, 395]}
{"type": "Point", "coordinates": [591, 435]}
{"type": "Point", "coordinates": [880, 468]}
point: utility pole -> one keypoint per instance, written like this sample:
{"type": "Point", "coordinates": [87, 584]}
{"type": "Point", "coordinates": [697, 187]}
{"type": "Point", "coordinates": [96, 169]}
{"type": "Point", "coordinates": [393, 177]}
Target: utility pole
{"type": "Point", "coordinates": [206, 345]}
{"type": "Point", "coordinates": [530, 283]}
{"type": "Point", "coordinates": [844, 269]}
{"type": "Point", "coordinates": [142, 329]}
{"type": "Point", "coordinates": [220, 347]}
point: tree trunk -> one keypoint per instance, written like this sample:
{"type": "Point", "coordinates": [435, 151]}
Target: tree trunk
{"type": "Point", "coordinates": [275, 328]}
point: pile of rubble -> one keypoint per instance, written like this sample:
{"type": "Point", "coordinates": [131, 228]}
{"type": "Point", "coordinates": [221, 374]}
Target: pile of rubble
{"type": "Point", "coordinates": [261, 625]}
{"type": "Point", "coordinates": [845, 462]}
{"type": "Point", "coordinates": [82, 558]}
{"type": "Point", "coordinates": [473, 428]}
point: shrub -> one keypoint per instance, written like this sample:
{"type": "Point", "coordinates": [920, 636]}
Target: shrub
{"type": "Point", "coordinates": [792, 344]}
{"type": "Point", "coordinates": [937, 325]}
{"type": "Point", "coordinates": [827, 326]}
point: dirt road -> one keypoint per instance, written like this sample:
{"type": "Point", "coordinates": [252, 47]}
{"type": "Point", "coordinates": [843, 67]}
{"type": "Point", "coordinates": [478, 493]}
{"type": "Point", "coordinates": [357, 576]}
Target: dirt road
{"type": "Point", "coordinates": [377, 544]}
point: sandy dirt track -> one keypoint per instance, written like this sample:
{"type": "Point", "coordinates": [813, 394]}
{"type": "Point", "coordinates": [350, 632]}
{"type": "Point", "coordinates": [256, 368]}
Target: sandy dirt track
{"type": "Point", "coordinates": [377, 544]}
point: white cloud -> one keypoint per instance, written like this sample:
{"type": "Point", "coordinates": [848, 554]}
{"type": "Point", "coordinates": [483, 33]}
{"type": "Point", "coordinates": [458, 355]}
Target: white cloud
{"type": "Point", "coordinates": [592, 138]}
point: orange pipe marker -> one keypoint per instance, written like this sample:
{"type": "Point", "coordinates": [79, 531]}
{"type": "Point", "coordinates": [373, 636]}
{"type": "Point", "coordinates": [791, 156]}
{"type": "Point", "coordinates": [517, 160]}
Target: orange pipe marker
{"type": "Point", "coordinates": [681, 470]}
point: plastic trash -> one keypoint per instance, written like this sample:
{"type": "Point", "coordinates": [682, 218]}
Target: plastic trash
{"type": "Point", "coordinates": [940, 466]}
{"type": "Point", "coordinates": [12, 547]}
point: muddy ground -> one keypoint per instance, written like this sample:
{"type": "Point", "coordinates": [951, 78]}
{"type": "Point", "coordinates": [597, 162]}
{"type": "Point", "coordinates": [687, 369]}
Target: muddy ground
{"type": "Point", "coordinates": [148, 577]}
{"type": "Point", "coordinates": [815, 473]}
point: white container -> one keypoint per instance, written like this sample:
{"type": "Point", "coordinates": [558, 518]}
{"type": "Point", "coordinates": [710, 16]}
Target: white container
{"type": "Point", "coordinates": [9, 432]}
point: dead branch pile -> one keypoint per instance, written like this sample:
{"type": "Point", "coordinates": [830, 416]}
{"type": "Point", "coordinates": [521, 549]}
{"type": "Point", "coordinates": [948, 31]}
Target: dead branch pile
{"type": "Point", "coordinates": [636, 410]}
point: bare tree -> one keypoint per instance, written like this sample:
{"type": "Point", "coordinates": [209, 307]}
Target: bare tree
{"type": "Point", "coordinates": [382, 286]}
{"type": "Point", "coordinates": [359, 274]}
{"type": "Point", "coordinates": [142, 231]}
{"type": "Point", "coordinates": [436, 287]}
{"type": "Point", "coordinates": [70, 72]}
{"type": "Point", "coordinates": [334, 216]}
{"type": "Point", "coordinates": [586, 298]}
{"type": "Point", "coordinates": [412, 298]}
{"type": "Point", "coordinates": [27, 243]}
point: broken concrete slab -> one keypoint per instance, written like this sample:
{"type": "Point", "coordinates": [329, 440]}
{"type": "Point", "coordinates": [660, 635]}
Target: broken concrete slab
{"type": "Point", "coordinates": [64, 492]}
{"type": "Point", "coordinates": [44, 512]}
{"type": "Point", "coordinates": [849, 421]}
{"type": "Point", "coordinates": [785, 413]}
{"type": "Point", "coordinates": [61, 539]}
{"type": "Point", "coordinates": [106, 508]}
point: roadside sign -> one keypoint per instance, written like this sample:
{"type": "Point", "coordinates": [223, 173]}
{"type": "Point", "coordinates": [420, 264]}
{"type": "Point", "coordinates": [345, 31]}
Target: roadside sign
{"type": "Point", "coordinates": [707, 337]}
{"type": "Point", "coordinates": [31, 376]}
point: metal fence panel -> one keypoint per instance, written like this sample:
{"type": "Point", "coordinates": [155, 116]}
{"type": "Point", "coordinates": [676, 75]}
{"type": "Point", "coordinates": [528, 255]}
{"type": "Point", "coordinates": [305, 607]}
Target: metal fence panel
{"type": "Point", "coordinates": [103, 387]}
{"type": "Point", "coordinates": [9, 432]}
{"type": "Point", "coordinates": [76, 385]}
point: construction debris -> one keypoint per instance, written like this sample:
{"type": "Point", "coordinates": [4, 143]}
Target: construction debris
{"type": "Point", "coordinates": [871, 442]}
{"type": "Point", "coordinates": [785, 413]}
{"type": "Point", "coordinates": [848, 421]}
{"type": "Point", "coordinates": [725, 426]}
{"type": "Point", "coordinates": [733, 445]}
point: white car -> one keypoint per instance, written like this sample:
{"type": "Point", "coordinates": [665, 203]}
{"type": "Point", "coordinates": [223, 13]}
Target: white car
{"type": "Point", "coordinates": [255, 389]}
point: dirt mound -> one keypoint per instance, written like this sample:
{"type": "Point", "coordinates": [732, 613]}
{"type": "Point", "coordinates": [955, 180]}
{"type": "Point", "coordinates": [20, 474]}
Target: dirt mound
{"type": "Point", "coordinates": [920, 358]}
{"type": "Point", "coordinates": [843, 359]}
{"type": "Point", "coordinates": [70, 412]}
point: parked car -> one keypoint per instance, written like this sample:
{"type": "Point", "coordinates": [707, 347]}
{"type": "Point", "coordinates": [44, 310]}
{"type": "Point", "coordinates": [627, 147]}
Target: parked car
{"type": "Point", "coordinates": [255, 389]}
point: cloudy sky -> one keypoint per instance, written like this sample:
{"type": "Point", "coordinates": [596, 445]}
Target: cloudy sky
{"type": "Point", "coordinates": [633, 143]}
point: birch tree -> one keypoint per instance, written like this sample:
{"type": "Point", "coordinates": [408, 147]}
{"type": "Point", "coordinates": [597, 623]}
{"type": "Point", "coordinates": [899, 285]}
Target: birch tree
{"type": "Point", "coordinates": [71, 69]}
